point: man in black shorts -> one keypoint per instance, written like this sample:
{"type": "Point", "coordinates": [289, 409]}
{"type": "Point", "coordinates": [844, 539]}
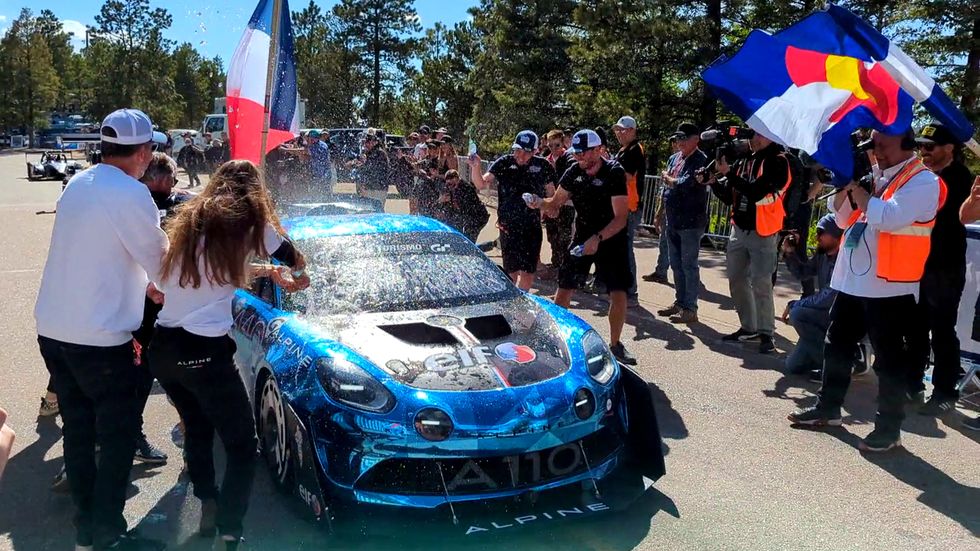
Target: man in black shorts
{"type": "Point", "coordinates": [597, 186]}
{"type": "Point", "coordinates": [520, 226]}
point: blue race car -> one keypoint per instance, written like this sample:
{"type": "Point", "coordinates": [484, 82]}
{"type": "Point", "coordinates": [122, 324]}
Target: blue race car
{"type": "Point", "coordinates": [413, 373]}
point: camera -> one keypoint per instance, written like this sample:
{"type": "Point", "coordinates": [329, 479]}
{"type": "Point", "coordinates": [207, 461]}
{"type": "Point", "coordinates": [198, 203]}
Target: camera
{"type": "Point", "coordinates": [860, 145]}
{"type": "Point", "coordinates": [724, 139]}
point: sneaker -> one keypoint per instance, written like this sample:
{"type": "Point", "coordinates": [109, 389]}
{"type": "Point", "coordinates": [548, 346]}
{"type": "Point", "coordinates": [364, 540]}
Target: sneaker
{"type": "Point", "coordinates": [148, 453]}
{"type": "Point", "coordinates": [815, 417]}
{"type": "Point", "coordinates": [937, 405]}
{"type": "Point", "coordinates": [879, 441]}
{"type": "Point", "coordinates": [60, 482]}
{"type": "Point", "coordinates": [766, 344]}
{"type": "Point", "coordinates": [655, 278]}
{"type": "Point", "coordinates": [672, 311]}
{"type": "Point", "coordinates": [622, 354]}
{"type": "Point", "coordinates": [972, 424]}
{"type": "Point", "coordinates": [633, 302]}
{"type": "Point", "coordinates": [48, 408]}
{"type": "Point", "coordinates": [685, 316]}
{"type": "Point", "coordinates": [741, 336]}
{"type": "Point", "coordinates": [816, 375]}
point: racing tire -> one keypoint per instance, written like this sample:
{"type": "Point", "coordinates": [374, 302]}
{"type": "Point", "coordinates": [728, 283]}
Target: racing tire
{"type": "Point", "coordinates": [271, 421]}
{"type": "Point", "coordinates": [30, 174]}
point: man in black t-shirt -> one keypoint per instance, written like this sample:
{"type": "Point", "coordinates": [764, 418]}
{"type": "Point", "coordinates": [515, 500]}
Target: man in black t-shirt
{"type": "Point", "coordinates": [941, 286]}
{"type": "Point", "coordinates": [633, 161]}
{"type": "Point", "coordinates": [598, 188]}
{"type": "Point", "coordinates": [520, 226]}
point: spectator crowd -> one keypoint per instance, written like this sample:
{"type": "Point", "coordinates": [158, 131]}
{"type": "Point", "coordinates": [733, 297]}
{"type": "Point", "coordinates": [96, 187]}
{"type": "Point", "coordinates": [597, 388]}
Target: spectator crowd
{"type": "Point", "coordinates": [881, 289]}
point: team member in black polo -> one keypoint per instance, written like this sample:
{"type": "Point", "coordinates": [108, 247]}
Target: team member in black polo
{"type": "Point", "coordinates": [597, 186]}
{"type": "Point", "coordinates": [520, 226]}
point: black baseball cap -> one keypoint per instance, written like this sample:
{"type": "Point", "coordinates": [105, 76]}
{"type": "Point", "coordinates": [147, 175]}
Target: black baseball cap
{"type": "Point", "coordinates": [936, 133]}
{"type": "Point", "coordinates": [526, 140]}
{"type": "Point", "coordinates": [686, 129]}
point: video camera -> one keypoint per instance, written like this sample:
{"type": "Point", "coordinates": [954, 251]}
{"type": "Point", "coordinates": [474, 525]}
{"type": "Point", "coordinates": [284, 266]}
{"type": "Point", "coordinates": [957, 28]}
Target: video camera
{"type": "Point", "coordinates": [724, 139]}
{"type": "Point", "coordinates": [860, 145]}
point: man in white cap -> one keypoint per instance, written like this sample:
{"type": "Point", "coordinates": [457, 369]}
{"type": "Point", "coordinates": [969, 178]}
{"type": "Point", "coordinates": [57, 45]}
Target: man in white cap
{"type": "Point", "coordinates": [634, 162]}
{"type": "Point", "coordinates": [105, 248]}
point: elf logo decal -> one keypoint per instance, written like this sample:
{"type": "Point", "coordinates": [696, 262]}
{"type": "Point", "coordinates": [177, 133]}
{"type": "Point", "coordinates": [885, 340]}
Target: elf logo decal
{"type": "Point", "coordinates": [311, 500]}
{"type": "Point", "coordinates": [517, 353]}
{"type": "Point", "coordinates": [479, 355]}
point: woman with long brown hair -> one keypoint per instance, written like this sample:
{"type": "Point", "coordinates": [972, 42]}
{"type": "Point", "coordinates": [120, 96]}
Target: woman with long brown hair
{"type": "Point", "coordinates": [214, 240]}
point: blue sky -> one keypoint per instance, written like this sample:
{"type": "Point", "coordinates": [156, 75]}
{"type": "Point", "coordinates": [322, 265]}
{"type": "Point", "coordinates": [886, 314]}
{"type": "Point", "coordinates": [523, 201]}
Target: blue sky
{"type": "Point", "coordinates": [212, 26]}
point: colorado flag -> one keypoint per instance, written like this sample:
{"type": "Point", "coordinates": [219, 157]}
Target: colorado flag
{"type": "Point", "coordinates": [246, 85]}
{"type": "Point", "coordinates": [811, 85]}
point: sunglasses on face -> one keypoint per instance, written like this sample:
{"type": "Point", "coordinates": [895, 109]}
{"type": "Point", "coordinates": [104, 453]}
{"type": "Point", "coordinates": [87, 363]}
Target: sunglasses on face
{"type": "Point", "coordinates": [927, 146]}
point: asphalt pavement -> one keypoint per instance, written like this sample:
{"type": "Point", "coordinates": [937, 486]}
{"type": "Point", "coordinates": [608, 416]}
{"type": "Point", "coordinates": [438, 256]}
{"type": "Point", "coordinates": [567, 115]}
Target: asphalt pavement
{"type": "Point", "coordinates": [738, 476]}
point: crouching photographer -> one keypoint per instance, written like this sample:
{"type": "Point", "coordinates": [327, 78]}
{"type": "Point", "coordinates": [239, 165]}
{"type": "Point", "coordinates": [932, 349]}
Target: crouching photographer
{"type": "Point", "coordinates": [810, 315]}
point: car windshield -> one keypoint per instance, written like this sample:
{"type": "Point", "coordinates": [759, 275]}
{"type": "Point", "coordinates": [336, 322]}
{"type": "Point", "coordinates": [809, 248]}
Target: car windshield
{"type": "Point", "coordinates": [394, 272]}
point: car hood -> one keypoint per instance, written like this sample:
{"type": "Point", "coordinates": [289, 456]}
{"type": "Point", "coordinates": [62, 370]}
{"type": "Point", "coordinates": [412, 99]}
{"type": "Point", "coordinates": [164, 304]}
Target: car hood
{"type": "Point", "coordinates": [510, 343]}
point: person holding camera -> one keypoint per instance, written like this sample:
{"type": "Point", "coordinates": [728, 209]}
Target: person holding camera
{"type": "Point", "coordinates": [886, 244]}
{"type": "Point", "coordinates": [810, 315]}
{"type": "Point", "coordinates": [684, 204]}
{"type": "Point", "coordinates": [753, 187]}
{"type": "Point", "coordinates": [944, 278]}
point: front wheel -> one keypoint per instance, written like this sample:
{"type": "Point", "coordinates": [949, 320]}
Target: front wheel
{"type": "Point", "coordinates": [272, 432]}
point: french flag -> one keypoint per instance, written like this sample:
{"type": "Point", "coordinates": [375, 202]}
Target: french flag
{"type": "Point", "coordinates": [246, 86]}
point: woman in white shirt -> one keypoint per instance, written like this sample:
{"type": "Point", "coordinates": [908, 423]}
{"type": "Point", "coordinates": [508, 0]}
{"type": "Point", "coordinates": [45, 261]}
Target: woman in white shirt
{"type": "Point", "coordinates": [214, 239]}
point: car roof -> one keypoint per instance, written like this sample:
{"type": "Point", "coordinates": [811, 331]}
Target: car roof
{"type": "Point", "coordinates": [309, 227]}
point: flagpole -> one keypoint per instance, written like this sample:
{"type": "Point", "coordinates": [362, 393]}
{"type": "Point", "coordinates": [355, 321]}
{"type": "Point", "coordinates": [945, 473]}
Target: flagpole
{"type": "Point", "coordinates": [270, 77]}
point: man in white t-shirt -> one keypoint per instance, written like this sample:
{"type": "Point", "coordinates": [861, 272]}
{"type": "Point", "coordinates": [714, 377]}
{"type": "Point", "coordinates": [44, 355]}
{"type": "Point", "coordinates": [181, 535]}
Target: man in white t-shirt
{"type": "Point", "coordinates": [105, 249]}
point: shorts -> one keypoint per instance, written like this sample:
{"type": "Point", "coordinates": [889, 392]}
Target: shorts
{"type": "Point", "coordinates": [520, 246]}
{"type": "Point", "coordinates": [612, 266]}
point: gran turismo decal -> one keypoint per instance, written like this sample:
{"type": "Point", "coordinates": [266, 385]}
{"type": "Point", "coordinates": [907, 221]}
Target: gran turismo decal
{"type": "Point", "coordinates": [571, 512]}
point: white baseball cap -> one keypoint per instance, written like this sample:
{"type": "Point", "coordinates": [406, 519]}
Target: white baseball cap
{"type": "Point", "coordinates": [130, 127]}
{"type": "Point", "coordinates": [625, 122]}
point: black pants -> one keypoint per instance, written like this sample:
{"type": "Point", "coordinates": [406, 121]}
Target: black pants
{"type": "Point", "coordinates": [886, 321]}
{"type": "Point", "coordinates": [97, 394]}
{"type": "Point", "coordinates": [560, 230]}
{"type": "Point", "coordinates": [939, 303]}
{"type": "Point", "coordinates": [201, 379]}
{"type": "Point", "coordinates": [143, 335]}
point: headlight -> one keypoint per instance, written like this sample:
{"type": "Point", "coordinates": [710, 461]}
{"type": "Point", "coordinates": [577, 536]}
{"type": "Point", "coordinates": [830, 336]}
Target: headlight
{"type": "Point", "coordinates": [598, 358]}
{"type": "Point", "coordinates": [351, 385]}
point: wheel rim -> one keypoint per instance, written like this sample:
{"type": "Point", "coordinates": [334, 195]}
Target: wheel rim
{"type": "Point", "coordinates": [273, 420]}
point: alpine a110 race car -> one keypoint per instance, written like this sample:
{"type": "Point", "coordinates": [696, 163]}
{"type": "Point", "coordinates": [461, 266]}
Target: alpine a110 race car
{"type": "Point", "coordinates": [412, 373]}
{"type": "Point", "coordinates": [52, 165]}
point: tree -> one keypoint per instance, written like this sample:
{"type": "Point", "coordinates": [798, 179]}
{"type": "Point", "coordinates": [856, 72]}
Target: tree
{"type": "Point", "coordinates": [32, 83]}
{"type": "Point", "coordinates": [330, 72]}
{"type": "Point", "coordinates": [380, 31]}
{"type": "Point", "coordinates": [441, 90]}
{"type": "Point", "coordinates": [523, 69]}
{"type": "Point", "coordinates": [133, 64]}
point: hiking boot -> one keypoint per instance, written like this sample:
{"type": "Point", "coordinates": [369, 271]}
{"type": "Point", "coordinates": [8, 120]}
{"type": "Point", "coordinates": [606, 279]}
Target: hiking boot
{"type": "Point", "coordinates": [972, 424]}
{"type": "Point", "coordinates": [622, 354]}
{"type": "Point", "coordinates": [60, 482]}
{"type": "Point", "coordinates": [672, 311]}
{"type": "Point", "coordinates": [685, 316]}
{"type": "Point", "coordinates": [766, 344]}
{"type": "Point", "coordinates": [741, 336]}
{"type": "Point", "coordinates": [655, 278]}
{"type": "Point", "coordinates": [816, 375]}
{"type": "Point", "coordinates": [148, 453]}
{"type": "Point", "coordinates": [880, 441]}
{"type": "Point", "coordinates": [816, 417]}
{"type": "Point", "coordinates": [937, 405]}
{"type": "Point", "coordinates": [633, 302]}
{"type": "Point", "coordinates": [48, 408]}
